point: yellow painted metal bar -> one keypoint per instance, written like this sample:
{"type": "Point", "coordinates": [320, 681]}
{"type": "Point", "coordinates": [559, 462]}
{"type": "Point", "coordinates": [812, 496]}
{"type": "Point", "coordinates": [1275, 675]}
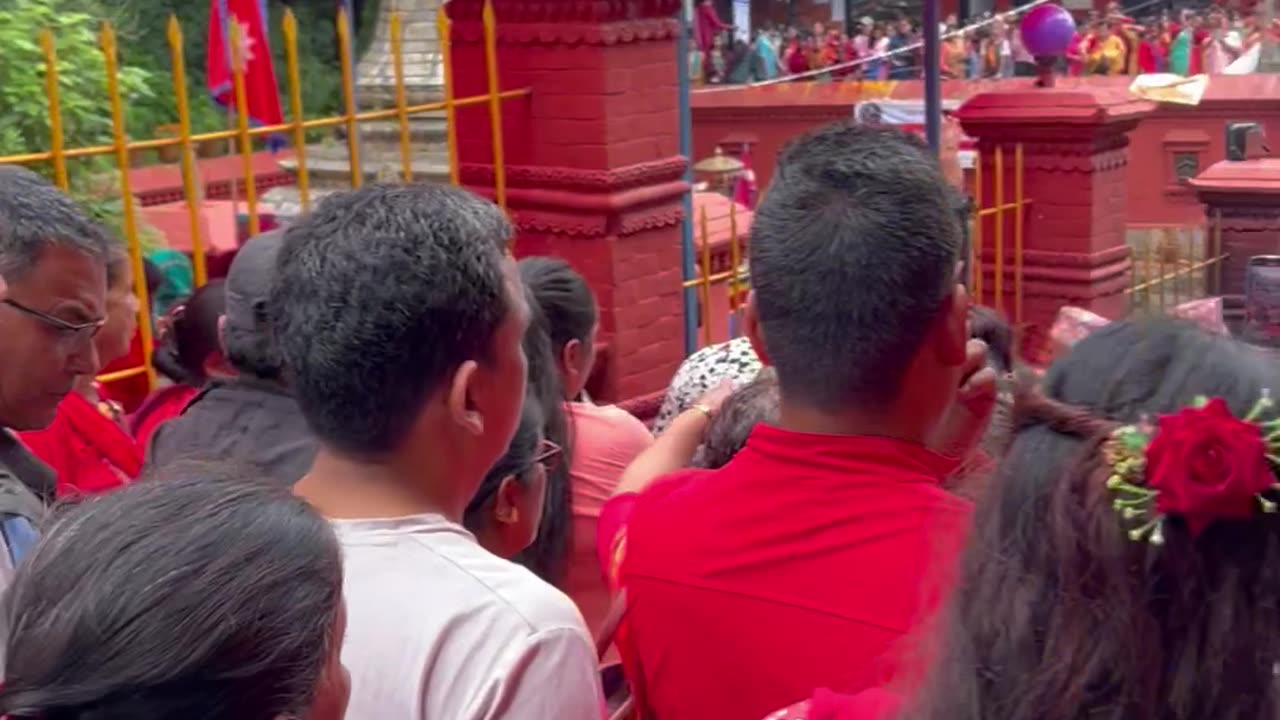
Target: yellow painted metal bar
{"type": "Point", "coordinates": [451, 126]}
{"type": "Point", "coordinates": [349, 99]}
{"type": "Point", "coordinates": [975, 249]}
{"type": "Point", "coordinates": [318, 123]}
{"type": "Point", "coordinates": [194, 194]}
{"type": "Point", "coordinates": [1215, 233]}
{"type": "Point", "coordinates": [1019, 201]}
{"type": "Point", "coordinates": [118, 375]}
{"type": "Point", "coordinates": [50, 50]}
{"type": "Point", "coordinates": [997, 280]}
{"type": "Point", "coordinates": [238, 65]}
{"type": "Point", "coordinates": [734, 257]}
{"type": "Point", "coordinates": [706, 277]}
{"type": "Point", "coordinates": [108, 44]}
{"type": "Point", "coordinates": [397, 64]}
{"type": "Point", "coordinates": [495, 105]}
{"type": "Point", "coordinates": [290, 32]}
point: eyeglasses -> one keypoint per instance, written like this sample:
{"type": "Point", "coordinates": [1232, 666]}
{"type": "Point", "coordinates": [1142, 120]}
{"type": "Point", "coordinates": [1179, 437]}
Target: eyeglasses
{"type": "Point", "coordinates": [73, 334]}
{"type": "Point", "coordinates": [548, 455]}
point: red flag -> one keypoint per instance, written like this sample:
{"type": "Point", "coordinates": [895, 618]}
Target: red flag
{"type": "Point", "coordinates": [262, 98]}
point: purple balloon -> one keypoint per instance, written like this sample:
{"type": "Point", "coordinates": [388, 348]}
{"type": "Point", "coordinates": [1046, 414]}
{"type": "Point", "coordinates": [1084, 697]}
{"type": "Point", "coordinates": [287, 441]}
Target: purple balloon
{"type": "Point", "coordinates": [1047, 30]}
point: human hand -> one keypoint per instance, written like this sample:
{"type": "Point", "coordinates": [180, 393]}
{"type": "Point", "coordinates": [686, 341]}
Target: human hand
{"type": "Point", "coordinates": [712, 399]}
{"type": "Point", "coordinates": [966, 420]}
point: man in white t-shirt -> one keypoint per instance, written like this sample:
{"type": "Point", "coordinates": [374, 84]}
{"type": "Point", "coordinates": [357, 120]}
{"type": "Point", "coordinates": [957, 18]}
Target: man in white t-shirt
{"type": "Point", "coordinates": [400, 317]}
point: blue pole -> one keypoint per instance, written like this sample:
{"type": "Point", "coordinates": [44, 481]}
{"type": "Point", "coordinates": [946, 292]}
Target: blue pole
{"type": "Point", "coordinates": [687, 255]}
{"type": "Point", "coordinates": [932, 79]}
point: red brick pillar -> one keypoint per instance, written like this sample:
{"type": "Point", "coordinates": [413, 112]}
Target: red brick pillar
{"type": "Point", "coordinates": [592, 164]}
{"type": "Point", "coordinates": [1074, 177]}
{"type": "Point", "coordinates": [1242, 208]}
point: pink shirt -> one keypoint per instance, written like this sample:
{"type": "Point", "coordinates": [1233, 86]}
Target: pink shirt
{"type": "Point", "coordinates": [605, 440]}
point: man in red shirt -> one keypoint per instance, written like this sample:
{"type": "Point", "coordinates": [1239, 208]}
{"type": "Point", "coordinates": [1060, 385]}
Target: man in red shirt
{"type": "Point", "coordinates": [807, 559]}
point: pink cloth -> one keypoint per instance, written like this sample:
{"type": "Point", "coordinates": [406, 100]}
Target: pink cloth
{"type": "Point", "coordinates": [706, 25]}
{"type": "Point", "coordinates": [605, 440]}
{"type": "Point", "coordinates": [1073, 323]}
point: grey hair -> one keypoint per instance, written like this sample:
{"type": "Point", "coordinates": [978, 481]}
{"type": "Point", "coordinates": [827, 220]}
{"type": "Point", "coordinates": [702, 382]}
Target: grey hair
{"type": "Point", "coordinates": [198, 593]}
{"type": "Point", "coordinates": [35, 214]}
{"type": "Point", "coordinates": [748, 406]}
{"type": "Point", "coordinates": [253, 351]}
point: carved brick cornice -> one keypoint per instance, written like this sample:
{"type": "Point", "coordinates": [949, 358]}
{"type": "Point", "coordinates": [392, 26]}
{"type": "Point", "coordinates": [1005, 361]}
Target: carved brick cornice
{"type": "Point", "coordinates": [592, 181]}
{"type": "Point", "coordinates": [589, 203]}
{"type": "Point", "coordinates": [568, 22]}
{"type": "Point", "coordinates": [1071, 155]}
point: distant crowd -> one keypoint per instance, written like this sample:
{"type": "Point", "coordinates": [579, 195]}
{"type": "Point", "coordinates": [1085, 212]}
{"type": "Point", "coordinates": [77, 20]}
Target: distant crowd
{"type": "Point", "coordinates": [1186, 42]}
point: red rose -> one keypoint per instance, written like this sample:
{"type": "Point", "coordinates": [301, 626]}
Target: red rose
{"type": "Point", "coordinates": [1207, 464]}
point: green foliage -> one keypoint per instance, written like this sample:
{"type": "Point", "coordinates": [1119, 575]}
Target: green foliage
{"type": "Point", "coordinates": [86, 118]}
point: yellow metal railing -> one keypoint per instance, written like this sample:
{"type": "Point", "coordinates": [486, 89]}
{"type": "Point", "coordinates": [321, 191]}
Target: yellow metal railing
{"type": "Point", "coordinates": [1173, 264]}
{"type": "Point", "coordinates": [999, 211]}
{"type": "Point", "coordinates": [243, 134]}
{"type": "Point", "coordinates": [734, 278]}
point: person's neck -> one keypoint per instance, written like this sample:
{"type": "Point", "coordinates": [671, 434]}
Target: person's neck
{"type": "Point", "coordinates": [895, 423]}
{"type": "Point", "coordinates": [344, 488]}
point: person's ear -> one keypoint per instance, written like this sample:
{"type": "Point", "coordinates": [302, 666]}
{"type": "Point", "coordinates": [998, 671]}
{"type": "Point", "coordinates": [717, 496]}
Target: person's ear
{"type": "Point", "coordinates": [751, 328]}
{"type": "Point", "coordinates": [461, 399]}
{"type": "Point", "coordinates": [506, 502]}
{"type": "Point", "coordinates": [952, 333]}
{"type": "Point", "coordinates": [571, 361]}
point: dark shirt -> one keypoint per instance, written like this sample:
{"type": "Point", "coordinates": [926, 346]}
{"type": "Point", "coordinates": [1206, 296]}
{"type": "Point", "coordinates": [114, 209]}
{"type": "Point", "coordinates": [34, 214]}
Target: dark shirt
{"type": "Point", "coordinates": [27, 485]}
{"type": "Point", "coordinates": [244, 419]}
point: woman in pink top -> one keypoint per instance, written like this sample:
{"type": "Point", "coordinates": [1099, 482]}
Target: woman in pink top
{"type": "Point", "coordinates": [604, 438]}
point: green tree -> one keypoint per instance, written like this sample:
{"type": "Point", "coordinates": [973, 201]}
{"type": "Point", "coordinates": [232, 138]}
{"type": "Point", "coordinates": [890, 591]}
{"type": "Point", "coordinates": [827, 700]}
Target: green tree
{"type": "Point", "coordinates": [82, 78]}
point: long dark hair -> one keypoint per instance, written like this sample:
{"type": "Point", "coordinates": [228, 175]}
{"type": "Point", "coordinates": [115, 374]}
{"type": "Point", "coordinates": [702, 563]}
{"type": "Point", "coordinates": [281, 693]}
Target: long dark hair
{"type": "Point", "coordinates": [194, 594]}
{"type": "Point", "coordinates": [1058, 615]}
{"type": "Point", "coordinates": [564, 297]}
{"type": "Point", "coordinates": [192, 335]}
{"type": "Point", "coordinates": [516, 461]}
{"type": "Point", "coordinates": [547, 557]}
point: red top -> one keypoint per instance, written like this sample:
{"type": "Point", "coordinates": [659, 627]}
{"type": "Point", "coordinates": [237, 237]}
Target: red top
{"type": "Point", "coordinates": [88, 450]}
{"type": "Point", "coordinates": [873, 704]}
{"type": "Point", "coordinates": [798, 565]}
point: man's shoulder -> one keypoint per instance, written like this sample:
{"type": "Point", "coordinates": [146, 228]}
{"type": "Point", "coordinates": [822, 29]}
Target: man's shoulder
{"type": "Point", "coordinates": [463, 583]}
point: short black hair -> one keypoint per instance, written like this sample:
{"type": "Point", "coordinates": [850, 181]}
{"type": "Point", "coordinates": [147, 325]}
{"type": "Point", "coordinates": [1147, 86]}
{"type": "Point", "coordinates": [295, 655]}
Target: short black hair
{"type": "Point", "coordinates": [853, 250]}
{"type": "Point", "coordinates": [563, 296]}
{"type": "Point", "coordinates": [381, 293]}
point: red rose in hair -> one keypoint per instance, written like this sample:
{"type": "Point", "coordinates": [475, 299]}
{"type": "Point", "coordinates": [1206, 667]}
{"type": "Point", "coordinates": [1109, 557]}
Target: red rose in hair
{"type": "Point", "coordinates": [1207, 464]}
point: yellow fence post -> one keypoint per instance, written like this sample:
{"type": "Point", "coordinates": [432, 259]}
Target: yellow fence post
{"type": "Point", "coordinates": [997, 281]}
{"type": "Point", "coordinates": [290, 32]}
{"type": "Point", "coordinates": [451, 126]}
{"type": "Point", "coordinates": [108, 44]}
{"type": "Point", "coordinates": [706, 276]}
{"type": "Point", "coordinates": [349, 99]}
{"type": "Point", "coordinates": [238, 65]}
{"type": "Point", "coordinates": [975, 264]}
{"type": "Point", "coordinates": [59, 160]}
{"type": "Point", "coordinates": [397, 65]}
{"type": "Point", "coordinates": [1020, 202]}
{"type": "Point", "coordinates": [193, 194]}
{"type": "Point", "coordinates": [495, 105]}
{"type": "Point", "coordinates": [735, 255]}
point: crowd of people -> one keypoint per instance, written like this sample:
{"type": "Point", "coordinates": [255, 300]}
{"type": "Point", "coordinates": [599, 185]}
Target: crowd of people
{"type": "Point", "coordinates": [1186, 42]}
{"type": "Point", "coordinates": [376, 486]}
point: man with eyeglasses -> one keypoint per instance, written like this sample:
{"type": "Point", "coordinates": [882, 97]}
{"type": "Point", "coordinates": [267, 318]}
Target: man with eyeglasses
{"type": "Point", "coordinates": [53, 285]}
